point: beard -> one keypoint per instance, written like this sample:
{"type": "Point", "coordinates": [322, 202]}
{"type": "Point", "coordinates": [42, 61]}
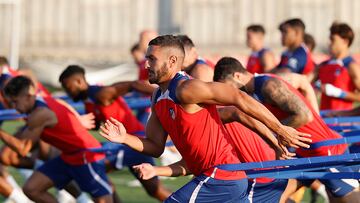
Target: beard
{"type": "Point", "coordinates": [155, 76]}
{"type": "Point", "coordinates": [81, 96]}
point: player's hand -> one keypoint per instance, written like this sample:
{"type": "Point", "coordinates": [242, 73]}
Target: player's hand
{"type": "Point", "coordinates": [293, 138]}
{"type": "Point", "coordinates": [145, 171]}
{"type": "Point", "coordinates": [26, 147]}
{"type": "Point", "coordinates": [282, 153]}
{"type": "Point", "coordinates": [113, 131]}
{"type": "Point", "coordinates": [88, 121]}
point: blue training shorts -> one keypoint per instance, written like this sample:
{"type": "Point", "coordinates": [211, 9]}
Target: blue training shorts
{"type": "Point", "coordinates": [90, 177]}
{"type": "Point", "coordinates": [204, 189]}
{"type": "Point", "coordinates": [266, 192]}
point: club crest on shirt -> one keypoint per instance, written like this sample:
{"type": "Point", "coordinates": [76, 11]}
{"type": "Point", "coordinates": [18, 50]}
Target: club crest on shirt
{"type": "Point", "coordinates": [337, 72]}
{"type": "Point", "coordinates": [172, 113]}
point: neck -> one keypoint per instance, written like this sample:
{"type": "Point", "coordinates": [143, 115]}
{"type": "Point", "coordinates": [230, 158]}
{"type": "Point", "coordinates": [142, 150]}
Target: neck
{"type": "Point", "coordinates": [295, 45]}
{"type": "Point", "coordinates": [164, 85]}
{"type": "Point", "coordinates": [257, 47]}
{"type": "Point", "coordinates": [250, 85]}
{"type": "Point", "coordinates": [341, 54]}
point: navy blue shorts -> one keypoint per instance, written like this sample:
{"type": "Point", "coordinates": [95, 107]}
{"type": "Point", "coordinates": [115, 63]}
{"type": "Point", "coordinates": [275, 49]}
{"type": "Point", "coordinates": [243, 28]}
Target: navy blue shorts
{"type": "Point", "coordinates": [336, 187]}
{"type": "Point", "coordinates": [90, 177]}
{"type": "Point", "coordinates": [121, 155]}
{"type": "Point", "coordinates": [204, 189]}
{"type": "Point", "coordinates": [266, 192]}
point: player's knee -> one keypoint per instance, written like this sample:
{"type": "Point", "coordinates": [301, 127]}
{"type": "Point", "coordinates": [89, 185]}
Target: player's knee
{"type": "Point", "coordinates": [30, 190]}
{"type": "Point", "coordinates": [158, 192]}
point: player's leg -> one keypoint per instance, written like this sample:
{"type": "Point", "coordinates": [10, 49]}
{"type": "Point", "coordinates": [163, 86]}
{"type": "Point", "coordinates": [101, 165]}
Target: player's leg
{"type": "Point", "coordinates": [36, 188]}
{"type": "Point", "coordinates": [51, 173]}
{"type": "Point", "coordinates": [292, 186]}
{"type": "Point", "coordinates": [342, 190]}
{"type": "Point", "coordinates": [318, 188]}
{"type": "Point", "coordinates": [92, 178]}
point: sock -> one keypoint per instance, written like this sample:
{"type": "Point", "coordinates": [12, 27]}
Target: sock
{"type": "Point", "coordinates": [10, 179]}
{"type": "Point", "coordinates": [322, 192]}
{"type": "Point", "coordinates": [18, 196]}
{"type": "Point", "coordinates": [83, 198]}
{"type": "Point", "coordinates": [64, 196]}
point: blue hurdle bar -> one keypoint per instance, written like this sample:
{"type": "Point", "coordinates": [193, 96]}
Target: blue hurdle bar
{"type": "Point", "coordinates": [337, 120]}
{"type": "Point", "coordinates": [290, 162]}
{"type": "Point", "coordinates": [314, 175]}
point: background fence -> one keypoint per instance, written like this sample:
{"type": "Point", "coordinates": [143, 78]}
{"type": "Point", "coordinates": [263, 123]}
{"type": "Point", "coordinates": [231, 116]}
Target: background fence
{"type": "Point", "coordinates": [105, 29]}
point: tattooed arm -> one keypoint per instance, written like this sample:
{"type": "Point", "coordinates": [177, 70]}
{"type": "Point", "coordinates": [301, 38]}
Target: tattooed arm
{"type": "Point", "coordinates": [302, 84]}
{"type": "Point", "coordinates": [277, 93]}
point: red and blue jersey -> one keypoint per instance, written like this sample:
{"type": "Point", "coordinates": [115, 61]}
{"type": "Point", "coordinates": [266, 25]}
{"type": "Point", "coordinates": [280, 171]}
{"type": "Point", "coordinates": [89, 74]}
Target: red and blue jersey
{"type": "Point", "coordinates": [249, 146]}
{"type": "Point", "coordinates": [298, 61]}
{"type": "Point", "coordinates": [336, 72]}
{"type": "Point", "coordinates": [317, 128]}
{"type": "Point", "coordinates": [254, 64]}
{"type": "Point", "coordinates": [68, 135]}
{"type": "Point", "coordinates": [118, 110]}
{"type": "Point", "coordinates": [200, 137]}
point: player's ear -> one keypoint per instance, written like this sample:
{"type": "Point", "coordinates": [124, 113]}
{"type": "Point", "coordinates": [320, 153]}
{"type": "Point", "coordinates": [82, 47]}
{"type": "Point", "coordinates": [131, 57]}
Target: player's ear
{"type": "Point", "coordinates": [237, 75]}
{"type": "Point", "coordinates": [31, 90]}
{"type": "Point", "coordinates": [173, 60]}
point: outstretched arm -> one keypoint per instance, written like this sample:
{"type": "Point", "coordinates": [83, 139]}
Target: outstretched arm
{"type": "Point", "coordinates": [277, 93]}
{"type": "Point", "coordinates": [21, 147]}
{"type": "Point", "coordinates": [197, 92]}
{"type": "Point", "coordinates": [152, 145]}
{"type": "Point", "coordinates": [147, 171]}
{"type": "Point", "coordinates": [231, 114]}
{"type": "Point", "coordinates": [109, 93]}
{"type": "Point", "coordinates": [302, 84]}
{"type": "Point", "coordinates": [37, 121]}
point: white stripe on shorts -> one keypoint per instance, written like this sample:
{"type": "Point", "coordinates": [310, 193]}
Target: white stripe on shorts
{"type": "Point", "coordinates": [98, 179]}
{"type": "Point", "coordinates": [198, 187]}
{"type": "Point", "coordinates": [352, 182]}
{"type": "Point", "coordinates": [251, 193]}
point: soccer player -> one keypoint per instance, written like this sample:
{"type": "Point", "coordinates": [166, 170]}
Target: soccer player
{"type": "Point", "coordinates": [249, 147]}
{"type": "Point", "coordinates": [340, 75]}
{"type": "Point", "coordinates": [292, 109]}
{"type": "Point", "coordinates": [185, 109]}
{"type": "Point", "coordinates": [194, 65]}
{"type": "Point", "coordinates": [261, 59]}
{"type": "Point", "coordinates": [55, 124]}
{"type": "Point", "coordinates": [106, 102]}
{"type": "Point", "coordinates": [297, 57]}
